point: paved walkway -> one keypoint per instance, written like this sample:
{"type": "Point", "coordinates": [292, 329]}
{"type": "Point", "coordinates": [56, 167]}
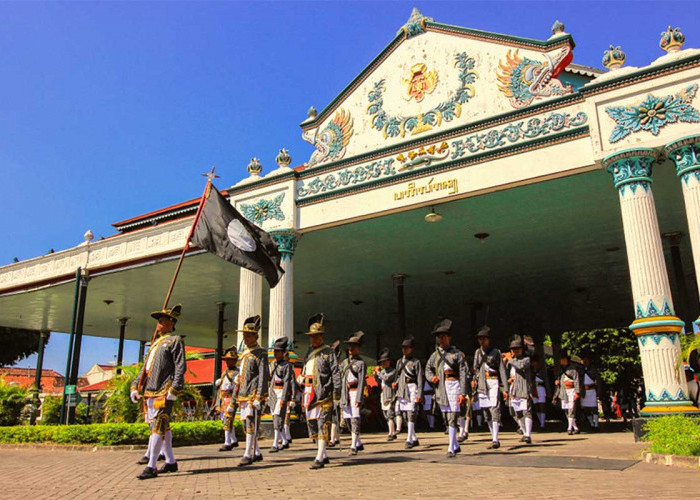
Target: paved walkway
{"type": "Point", "coordinates": [554, 466]}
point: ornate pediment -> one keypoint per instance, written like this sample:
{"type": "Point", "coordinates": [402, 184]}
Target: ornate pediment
{"type": "Point", "coordinates": [432, 78]}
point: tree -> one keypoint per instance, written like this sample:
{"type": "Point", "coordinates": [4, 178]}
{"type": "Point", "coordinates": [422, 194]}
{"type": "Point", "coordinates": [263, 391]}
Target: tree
{"type": "Point", "coordinates": [17, 344]}
{"type": "Point", "coordinates": [614, 352]}
{"type": "Point", "coordinates": [12, 399]}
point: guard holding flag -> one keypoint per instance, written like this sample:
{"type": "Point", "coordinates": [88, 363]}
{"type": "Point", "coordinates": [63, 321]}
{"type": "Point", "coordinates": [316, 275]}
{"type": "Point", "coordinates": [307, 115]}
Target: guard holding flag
{"type": "Point", "coordinates": [282, 392]}
{"type": "Point", "coordinates": [162, 377]}
{"type": "Point", "coordinates": [253, 382]}
{"type": "Point", "coordinates": [321, 380]}
{"type": "Point", "coordinates": [226, 400]}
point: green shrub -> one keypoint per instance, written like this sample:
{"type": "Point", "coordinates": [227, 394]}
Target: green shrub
{"type": "Point", "coordinates": [184, 433]}
{"type": "Point", "coordinates": [674, 435]}
{"type": "Point", "coordinates": [12, 399]}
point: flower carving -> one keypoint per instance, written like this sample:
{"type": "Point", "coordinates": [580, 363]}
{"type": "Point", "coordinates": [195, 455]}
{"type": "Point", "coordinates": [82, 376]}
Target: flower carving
{"type": "Point", "coordinates": [263, 210]}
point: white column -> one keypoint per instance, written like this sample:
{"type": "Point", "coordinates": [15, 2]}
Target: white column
{"type": "Point", "coordinates": [281, 319]}
{"type": "Point", "coordinates": [685, 153]}
{"type": "Point", "coordinates": [249, 299]}
{"type": "Point", "coordinates": [656, 326]}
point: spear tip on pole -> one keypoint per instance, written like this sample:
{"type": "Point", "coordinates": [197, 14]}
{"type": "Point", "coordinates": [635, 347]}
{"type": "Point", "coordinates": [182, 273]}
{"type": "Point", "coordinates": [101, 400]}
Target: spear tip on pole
{"type": "Point", "coordinates": [211, 175]}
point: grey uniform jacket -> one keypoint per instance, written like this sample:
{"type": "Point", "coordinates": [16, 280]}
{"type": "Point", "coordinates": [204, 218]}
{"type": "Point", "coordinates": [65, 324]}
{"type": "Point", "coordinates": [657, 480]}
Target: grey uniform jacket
{"type": "Point", "coordinates": [254, 379]}
{"type": "Point", "coordinates": [485, 359]}
{"type": "Point", "coordinates": [326, 375]}
{"type": "Point", "coordinates": [436, 366]}
{"type": "Point", "coordinates": [522, 385]}
{"type": "Point", "coordinates": [385, 378]}
{"type": "Point", "coordinates": [284, 370]}
{"type": "Point", "coordinates": [167, 367]}
{"type": "Point", "coordinates": [358, 368]}
{"type": "Point", "coordinates": [595, 375]}
{"type": "Point", "coordinates": [571, 372]}
{"type": "Point", "coordinates": [409, 370]}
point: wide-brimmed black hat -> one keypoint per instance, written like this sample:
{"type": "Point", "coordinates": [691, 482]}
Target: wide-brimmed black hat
{"type": "Point", "coordinates": [516, 344]}
{"type": "Point", "coordinates": [317, 324]}
{"type": "Point", "coordinates": [443, 326]}
{"type": "Point", "coordinates": [356, 338]}
{"type": "Point", "coordinates": [231, 353]}
{"type": "Point", "coordinates": [251, 325]}
{"type": "Point", "coordinates": [172, 313]}
{"type": "Point", "coordinates": [485, 331]}
{"type": "Point", "coordinates": [408, 342]}
{"type": "Point", "coordinates": [383, 355]}
{"type": "Point", "coordinates": [281, 344]}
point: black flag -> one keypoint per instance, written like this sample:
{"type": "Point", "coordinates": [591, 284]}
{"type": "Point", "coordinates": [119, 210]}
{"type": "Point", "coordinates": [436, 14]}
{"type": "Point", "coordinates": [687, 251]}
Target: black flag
{"type": "Point", "coordinates": [222, 230]}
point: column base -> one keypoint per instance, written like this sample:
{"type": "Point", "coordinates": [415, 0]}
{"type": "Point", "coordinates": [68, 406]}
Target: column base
{"type": "Point", "coordinates": [651, 410]}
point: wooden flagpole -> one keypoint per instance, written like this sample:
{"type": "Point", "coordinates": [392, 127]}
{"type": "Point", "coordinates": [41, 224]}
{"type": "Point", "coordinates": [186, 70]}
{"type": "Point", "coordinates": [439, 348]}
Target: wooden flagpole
{"type": "Point", "coordinates": [207, 189]}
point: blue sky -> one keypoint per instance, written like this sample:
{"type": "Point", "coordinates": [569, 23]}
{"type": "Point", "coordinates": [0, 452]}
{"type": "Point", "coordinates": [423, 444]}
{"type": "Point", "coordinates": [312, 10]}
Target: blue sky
{"type": "Point", "coordinates": [114, 109]}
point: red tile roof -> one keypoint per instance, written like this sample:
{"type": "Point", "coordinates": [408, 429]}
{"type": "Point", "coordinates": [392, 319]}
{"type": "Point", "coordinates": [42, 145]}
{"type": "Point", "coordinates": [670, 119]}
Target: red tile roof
{"type": "Point", "coordinates": [51, 381]}
{"type": "Point", "coordinates": [99, 386]}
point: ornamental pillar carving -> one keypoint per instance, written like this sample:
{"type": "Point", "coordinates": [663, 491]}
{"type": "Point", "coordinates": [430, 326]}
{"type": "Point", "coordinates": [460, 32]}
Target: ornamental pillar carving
{"type": "Point", "coordinates": [249, 299]}
{"type": "Point", "coordinates": [656, 326]}
{"type": "Point", "coordinates": [281, 319]}
{"type": "Point", "coordinates": [685, 153]}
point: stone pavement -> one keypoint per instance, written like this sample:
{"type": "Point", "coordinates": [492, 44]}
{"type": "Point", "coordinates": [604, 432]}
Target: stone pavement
{"type": "Point", "coordinates": [554, 466]}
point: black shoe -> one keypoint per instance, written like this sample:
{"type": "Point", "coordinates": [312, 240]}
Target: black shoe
{"type": "Point", "coordinates": [274, 449]}
{"type": "Point", "coordinates": [148, 473]}
{"type": "Point", "coordinates": [285, 446]}
{"type": "Point", "coordinates": [415, 443]}
{"type": "Point", "coordinates": [458, 450]}
{"type": "Point", "coordinates": [234, 445]}
{"type": "Point", "coordinates": [460, 439]}
{"type": "Point", "coordinates": [494, 446]}
{"type": "Point", "coordinates": [226, 447]}
{"type": "Point", "coordinates": [361, 447]}
{"type": "Point", "coordinates": [408, 445]}
{"type": "Point", "coordinates": [326, 460]}
{"type": "Point", "coordinates": [522, 439]}
{"type": "Point", "coordinates": [161, 457]}
{"type": "Point", "coordinates": [317, 465]}
{"type": "Point", "coordinates": [577, 431]}
{"type": "Point", "coordinates": [245, 461]}
{"type": "Point", "coordinates": [331, 444]}
{"type": "Point", "coordinates": [519, 431]}
{"type": "Point", "coordinates": [353, 451]}
{"type": "Point", "coordinates": [390, 438]}
{"type": "Point", "coordinates": [168, 468]}
{"type": "Point", "coordinates": [290, 441]}
{"type": "Point", "coordinates": [142, 461]}
{"type": "Point", "coordinates": [570, 432]}
{"type": "Point", "coordinates": [450, 454]}
{"type": "Point", "coordinates": [257, 458]}
{"type": "Point", "coordinates": [527, 440]}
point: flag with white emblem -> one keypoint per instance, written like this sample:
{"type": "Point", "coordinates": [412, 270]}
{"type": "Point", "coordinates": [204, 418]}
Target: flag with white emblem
{"type": "Point", "coordinates": [223, 231]}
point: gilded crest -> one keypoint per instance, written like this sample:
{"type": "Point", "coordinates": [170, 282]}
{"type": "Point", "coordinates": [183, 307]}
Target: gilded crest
{"type": "Point", "coordinates": [420, 83]}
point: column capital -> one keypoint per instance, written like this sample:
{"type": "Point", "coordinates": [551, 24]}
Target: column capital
{"type": "Point", "coordinates": [287, 240]}
{"type": "Point", "coordinates": [685, 153]}
{"type": "Point", "coordinates": [631, 168]}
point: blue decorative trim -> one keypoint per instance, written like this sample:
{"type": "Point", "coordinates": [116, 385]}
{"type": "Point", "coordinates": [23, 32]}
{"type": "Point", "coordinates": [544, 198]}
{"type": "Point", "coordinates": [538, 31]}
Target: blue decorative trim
{"type": "Point", "coordinates": [665, 396]}
{"type": "Point", "coordinates": [657, 338]}
{"type": "Point", "coordinates": [685, 153]}
{"type": "Point", "coordinates": [287, 241]}
{"type": "Point", "coordinates": [631, 170]}
{"type": "Point", "coordinates": [653, 113]}
{"type": "Point", "coordinates": [652, 310]}
{"type": "Point", "coordinates": [263, 210]}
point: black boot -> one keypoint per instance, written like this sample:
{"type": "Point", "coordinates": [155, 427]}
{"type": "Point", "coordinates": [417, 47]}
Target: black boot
{"type": "Point", "coordinates": [226, 447]}
{"type": "Point", "coordinates": [168, 468]}
{"type": "Point", "coordinates": [257, 458]}
{"type": "Point", "coordinates": [148, 473]}
{"type": "Point", "coordinates": [317, 465]}
{"type": "Point", "coordinates": [142, 461]}
{"type": "Point", "coordinates": [245, 461]}
{"type": "Point", "coordinates": [494, 446]}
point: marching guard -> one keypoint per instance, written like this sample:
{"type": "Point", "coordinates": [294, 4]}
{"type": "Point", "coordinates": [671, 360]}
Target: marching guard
{"type": "Point", "coordinates": [384, 374]}
{"type": "Point", "coordinates": [162, 377]}
{"type": "Point", "coordinates": [521, 388]}
{"type": "Point", "coordinates": [447, 370]}
{"type": "Point", "coordinates": [591, 388]}
{"type": "Point", "coordinates": [253, 382]}
{"type": "Point", "coordinates": [569, 390]}
{"type": "Point", "coordinates": [408, 385]}
{"type": "Point", "coordinates": [489, 370]}
{"type": "Point", "coordinates": [321, 381]}
{"type": "Point", "coordinates": [282, 393]}
{"type": "Point", "coordinates": [226, 399]}
{"type": "Point", "coordinates": [428, 404]}
{"type": "Point", "coordinates": [336, 414]}
{"type": "Point", "coordinates": [352, 375]}
{"type": "Point", "coordinates": [539, 397]}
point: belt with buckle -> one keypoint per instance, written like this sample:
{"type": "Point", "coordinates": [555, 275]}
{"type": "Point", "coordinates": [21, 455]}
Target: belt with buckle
{"type": "Point", "coordinates": [569, 385]}
{"type": "Point", "coordinates": [590, 386]}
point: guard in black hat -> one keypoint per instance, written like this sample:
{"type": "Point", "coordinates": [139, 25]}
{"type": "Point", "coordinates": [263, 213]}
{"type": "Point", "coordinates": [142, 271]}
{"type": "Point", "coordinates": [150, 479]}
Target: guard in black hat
{"type": "Point", "coordinates": [592, 386]}
{"type": "Point", "coordinates": [226, 398]}
{"type": "Point", "coordinates": [352, 392]}
{"type": "Point", "coordinates": [162, 377]}
{"type": "Point", "coordinates": [520, 388]}
{"type": "Point", "coordinates": [254, 388]}
{"type": "Point", "coordinates": [447, 370]}
{"type": "Point", "coordinates": [282, 393]}
{"type": "Point", "coordinates": [321, 379]}
{"type": "Point", "coordinates": [384, 374]}
{"type": "Point", "coordinates": [569, 390]}
{"type": "Point", "coordinates": [489, 370]}
{"type": "Point", "coordinates": [409, 391]}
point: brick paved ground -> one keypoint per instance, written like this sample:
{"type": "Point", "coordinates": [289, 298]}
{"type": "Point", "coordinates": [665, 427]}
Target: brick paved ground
{"type": "Point", "coordinates": [554, 466]}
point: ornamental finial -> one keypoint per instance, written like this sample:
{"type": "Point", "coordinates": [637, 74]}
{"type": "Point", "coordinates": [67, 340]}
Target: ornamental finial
{"type": "Point", "coordinates": [254, 167]}
{"type": "Point", "coordinates": [557, 27]}
{"type": "Point", "coordinates": [672, 40]}
{"type": "Point", "coordinates": [415, 24]}
{"type": "Point", "coordinates": [312, 112]}
{"type": "Point", "coordinates": [283, 159]}
{"type": "Point", "coordinates": [613, 58]}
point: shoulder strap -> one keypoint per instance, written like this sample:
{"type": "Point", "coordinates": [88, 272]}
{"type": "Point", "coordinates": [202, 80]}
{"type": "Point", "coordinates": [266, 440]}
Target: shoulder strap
{"type": "Point", "coordinates": [443, 358]}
